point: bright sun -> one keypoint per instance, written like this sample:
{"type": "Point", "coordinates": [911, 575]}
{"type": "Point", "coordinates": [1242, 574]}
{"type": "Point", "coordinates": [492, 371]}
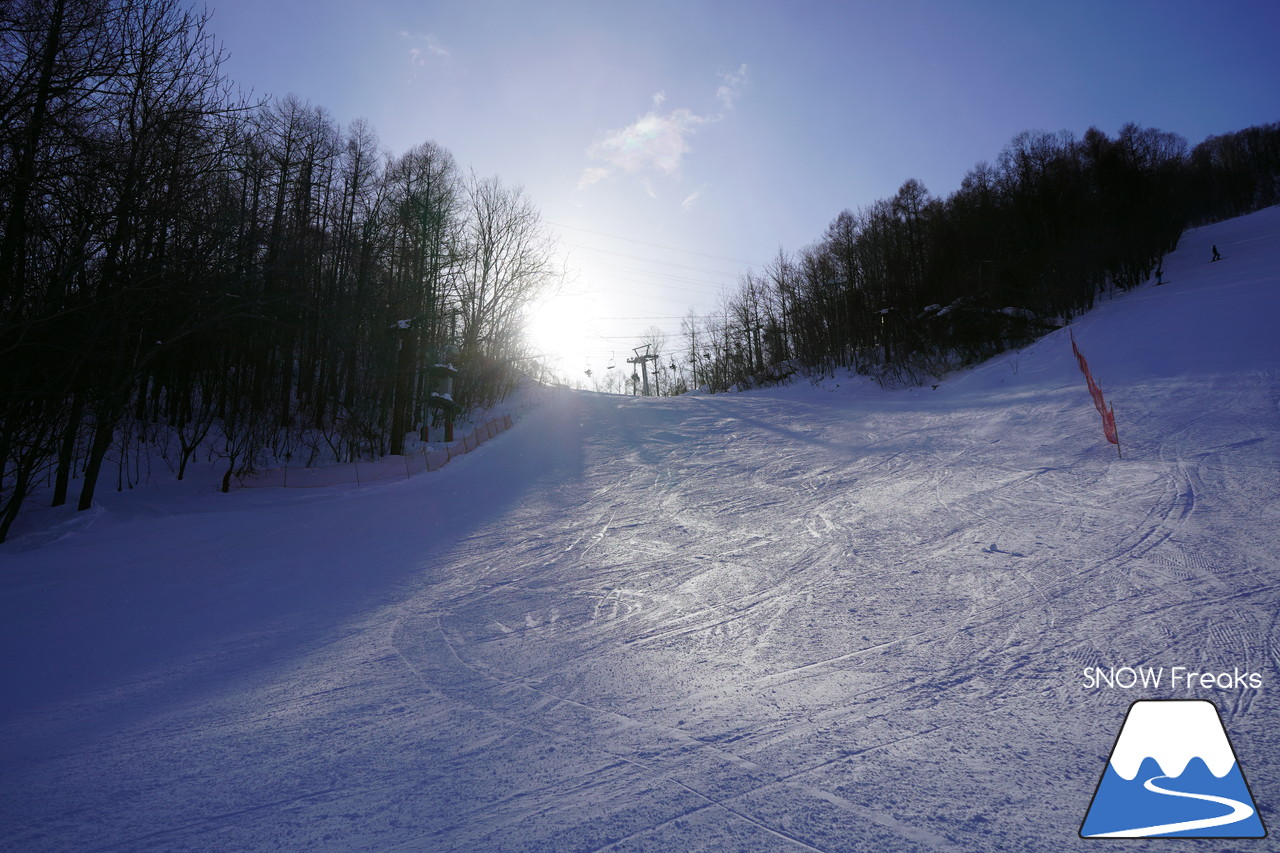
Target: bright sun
{"type": "Point", "coordinates": [561, 327]}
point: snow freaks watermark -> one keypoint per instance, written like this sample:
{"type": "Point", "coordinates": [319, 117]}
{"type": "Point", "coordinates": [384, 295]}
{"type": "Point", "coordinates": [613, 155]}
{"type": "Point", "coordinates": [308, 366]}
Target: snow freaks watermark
{"type": "Point", "coordinates": [1173, 678]}
{"type": "Point", "coordinates": [1172, 773]}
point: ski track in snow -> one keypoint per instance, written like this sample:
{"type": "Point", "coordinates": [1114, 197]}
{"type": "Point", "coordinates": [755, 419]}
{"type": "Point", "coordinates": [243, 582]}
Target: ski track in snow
{"type": "Point", "coordinates": [804, 618]}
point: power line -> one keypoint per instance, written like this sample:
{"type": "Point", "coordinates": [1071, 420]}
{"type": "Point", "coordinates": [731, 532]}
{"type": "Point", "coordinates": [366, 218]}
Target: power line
{"type": "Point", "coordinates": [637, 335]}
{"type": "Point", "coordinates": [594, 212]}
{"type": "Point", "coordinates": [663, 283]}
{"type": "Point", "coordinates": [637, 319]}
{"type": "Point", "coordinates": [657, 274]}
{"type": "Point", "coordinates": [654, 245]}
{"type": "Point", "coordinates": [668, 299]}
{"type": "Point", "coordinates": [654, 260]}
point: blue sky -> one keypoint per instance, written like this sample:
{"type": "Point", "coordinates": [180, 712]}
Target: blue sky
{"type": "Point", "coordinates": [674, 144]}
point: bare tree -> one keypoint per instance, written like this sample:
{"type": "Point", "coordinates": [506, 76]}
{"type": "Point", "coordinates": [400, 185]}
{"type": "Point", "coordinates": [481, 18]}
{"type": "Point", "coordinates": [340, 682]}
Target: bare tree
{"type": "Point", "coordinates": [425, 197]}
{"type": "Point", "coordinates": [508, 262]}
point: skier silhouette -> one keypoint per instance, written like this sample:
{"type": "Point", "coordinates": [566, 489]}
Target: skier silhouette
{"type": "Point", "coordinates": [1216, 256]}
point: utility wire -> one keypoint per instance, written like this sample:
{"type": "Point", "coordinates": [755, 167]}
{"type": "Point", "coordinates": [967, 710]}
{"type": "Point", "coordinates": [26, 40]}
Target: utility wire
{"type": "Point", "coordinates": [643, 259]}
{"type": "Point", "coordinates": [578, 208]}
{"type": "Point", "coordinates": [654, 245]}
{"type": "Point", "coordinates": [662, 283]}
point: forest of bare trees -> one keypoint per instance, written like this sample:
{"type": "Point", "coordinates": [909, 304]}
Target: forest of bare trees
{"type": "Point", "coordinates": [916, 285]}
{"type": "Point", "coordinates": [181, 267]}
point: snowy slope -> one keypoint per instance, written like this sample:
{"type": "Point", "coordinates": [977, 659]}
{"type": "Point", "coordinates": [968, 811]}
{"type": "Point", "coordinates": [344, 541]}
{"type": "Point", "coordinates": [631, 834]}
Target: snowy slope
{"type": "Point", "coordinates": [811, 618]}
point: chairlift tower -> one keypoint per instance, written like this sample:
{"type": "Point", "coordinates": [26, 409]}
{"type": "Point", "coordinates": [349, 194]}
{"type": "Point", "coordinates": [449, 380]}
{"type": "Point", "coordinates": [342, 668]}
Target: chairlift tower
{"type": "Point", "coordinates": [643, 361]}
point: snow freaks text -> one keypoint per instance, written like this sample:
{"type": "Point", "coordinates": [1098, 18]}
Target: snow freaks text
{"type": "Point", "coordinates": [1175, 678]}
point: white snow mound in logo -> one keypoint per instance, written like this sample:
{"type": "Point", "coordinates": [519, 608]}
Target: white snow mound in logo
{"type": "Point", "coordinates": [1172, 733]}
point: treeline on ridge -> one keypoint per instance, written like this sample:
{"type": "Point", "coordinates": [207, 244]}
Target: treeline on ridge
{"type": "Point", "coordinates": [916, 285]}
{"type": "Point", "coordinates": [181, 268]}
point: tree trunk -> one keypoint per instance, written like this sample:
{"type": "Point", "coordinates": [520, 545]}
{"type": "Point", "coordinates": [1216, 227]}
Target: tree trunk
{"type": "Point", "coordinates": [66, 451]}
{"type": "Point", "coordinates": [21, 482]}
{"type": "Point", "coordinates": [103, 431]}
{"type": "Point", "coordinates": [405, 363]}
{"type": "Point", "coordinates": [12, 256]}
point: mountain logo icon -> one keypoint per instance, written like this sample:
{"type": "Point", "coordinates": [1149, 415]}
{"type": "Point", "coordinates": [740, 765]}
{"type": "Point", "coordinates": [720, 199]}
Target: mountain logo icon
{"type": "Point", "coordinates": [1172, 773]}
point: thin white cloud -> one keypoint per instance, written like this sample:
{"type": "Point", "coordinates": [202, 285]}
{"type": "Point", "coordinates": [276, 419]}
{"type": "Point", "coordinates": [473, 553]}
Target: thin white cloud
{"type": "Point", "coordinates": [657, 142]}
{"type": "Point", "coordinates": [591, 175]}
{"type": "Point", "coordinates": [423, 47]}
{"type": "Point", "coordinates": [654, 142]}
{"type": "Point", "coordinates": [731, 89]}
{"type": "Point", "coordinates": [692, 199]}
{"type": "Point", "coordinates": [438, 49]}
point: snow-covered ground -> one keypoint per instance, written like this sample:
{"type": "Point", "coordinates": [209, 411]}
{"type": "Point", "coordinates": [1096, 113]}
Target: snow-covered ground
{"type": "Point", "coordinates": [812, 618]}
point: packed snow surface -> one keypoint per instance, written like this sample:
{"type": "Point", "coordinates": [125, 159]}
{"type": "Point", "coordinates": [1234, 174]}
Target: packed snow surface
{"type": "Point", "coordinates": [820, 617]}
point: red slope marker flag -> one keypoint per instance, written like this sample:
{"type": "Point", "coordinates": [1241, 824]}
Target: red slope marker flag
{"type": "Point", "coordinates": [1109, 427]}
{"type": "Point", "coordinates": [1108, 413]}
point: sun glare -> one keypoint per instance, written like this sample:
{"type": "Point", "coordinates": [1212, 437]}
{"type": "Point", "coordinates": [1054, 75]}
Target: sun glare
{"type": "Point", "coordinates": [561, 328]}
